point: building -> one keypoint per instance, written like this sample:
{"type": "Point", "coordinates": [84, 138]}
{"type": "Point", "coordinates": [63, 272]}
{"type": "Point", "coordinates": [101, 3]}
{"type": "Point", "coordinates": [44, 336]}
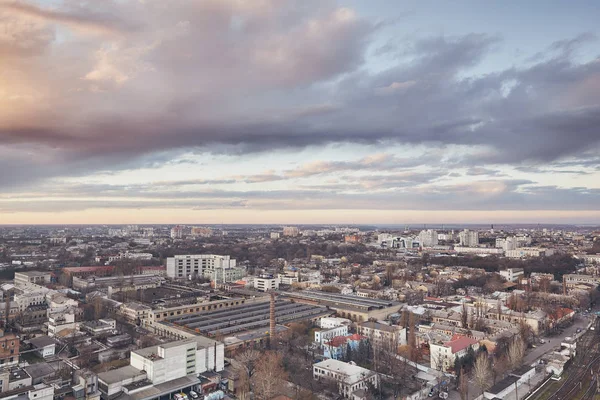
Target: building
{"type": "Point", "coordinates": [135, 312]}
{"type": "Point", "coordinates": [525, 252]}
{"type": "Point", "coordinates": [357, 309]}
{"type": "Point", "coordinates": [332, 322]}
{"type": "Point", "coordinates": [339, 346]}
{"type": "Point", "coordinates": [184, 266]}
{"type": "Point", "coordinates": [101, 327]}
{"type": "Point", "coordinates": [383, 335]}
{"type": "Point", "coordinates": [81, 272]}
{"type": "Point", "coordinates": [9, 349]}
{"type": "Point", "coordinates": [275, 235]}
{"type": "Point", "coordinates": [428, 238]}
{"type": "Point", "coordinates": [285, 279]}
{"type": "Point", "coordinates": [507, 244]}
{"type": "Point", "coordinates": [201, 231]}
{"type": "Point", "coordinates": [443, 355]}
{"type": "Point", "coordinates": [325, 335]}
{"type": "Point", "coordinates": [266, 283]}
{"type": "Point", "coordinates": [45, 346]}
{"type": "Point", "coordinates": [59, 322]}
{"type": "Point", "coordinates": [571, 280]}
{"type": "Point", "coordinates": [350, 378]}
{"type": "Point", "coordinates": [37, 277]}
{"type": "Point", "coordinates": [163, 370]}
{"type": "Point", "coordinates": [352, 239]}
{"type": "Point", "coordinates": [292, 231]}
{"type": "Point", "coordinates": [478, 250]}
{"type": "Point", "coordinates": [469, 238]}
{"type": "Point", "coordinates": [118, 283]}
{"type": "Point", "coordinates": [177, 232]}
{"type": "Point", "coordinates": [512, 274]}
{"type": "Point", "coordinates": [170, 361]}
{"type": "Point", "coordinates": [225, 275]}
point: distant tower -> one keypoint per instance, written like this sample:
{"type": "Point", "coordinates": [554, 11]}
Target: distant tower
{"type": "Point", "coordinates": [272, 333]}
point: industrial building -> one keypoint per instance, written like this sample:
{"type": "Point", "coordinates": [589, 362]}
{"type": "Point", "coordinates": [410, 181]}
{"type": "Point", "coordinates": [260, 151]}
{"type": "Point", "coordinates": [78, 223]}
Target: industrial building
{"type": "Point", "coordinates": [352, 307]}
{"type": "Point", "coordinates": [163, 370]}
{"type": "Point", "coordinates": [246, 317]}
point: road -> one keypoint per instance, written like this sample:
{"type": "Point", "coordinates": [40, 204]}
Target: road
{"type": "Point", "coordinates": [551, 343]}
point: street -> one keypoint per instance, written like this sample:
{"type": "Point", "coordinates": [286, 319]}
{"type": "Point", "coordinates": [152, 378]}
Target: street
{"type": "Point", "coordinates": [551, 343]}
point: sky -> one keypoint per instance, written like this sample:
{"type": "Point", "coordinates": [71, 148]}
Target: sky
{"type": "Point", "coordinates": [275, 111]}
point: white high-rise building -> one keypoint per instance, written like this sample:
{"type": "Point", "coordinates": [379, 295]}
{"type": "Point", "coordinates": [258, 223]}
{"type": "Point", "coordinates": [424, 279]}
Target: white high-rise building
{"type": "Point", "coordinates": [507, 244]}
{"type": "Point", "coordinates": [428, 238]}
{"type": "Point", "coordinates": [177, 232]}
{"type": "Point", "coordinates": [469, 238]}
{"type": "Point", "coordinates": [183, 266]}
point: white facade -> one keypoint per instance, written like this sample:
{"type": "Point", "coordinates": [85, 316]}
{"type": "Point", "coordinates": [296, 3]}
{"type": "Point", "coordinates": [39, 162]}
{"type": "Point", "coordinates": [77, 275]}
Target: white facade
{"type": "Point", "coordinates": [174, 360]}
{"type": "Point", "coordinates": [469, 238]}
{"type": "Point", "coordinates": [332, 322]}
{"type": "Point", "coordinates": [478, 250]}
{"type": "Point", "coordinates": [59, 322]}
{"type": "Point", "coordinates": [523, 252]}
{"type": "Point", "coordinates": [266, 284]}
{"type": "Point", "coordinates": [275, 235]}
{"type": "Point", "coordinates": [442, 356]}
{"type": "Point", "coordinates": [177, 232]}
{"type": "Point", "coordinates": [349, 378]}
{"type": "Point", "coordinates": [512, 274]}
{"type": "Point", "coordinates": [26, 277]}
{"type": "Point", "coordinates": [183, 266]}
{"type": "Point", "coordinates": [287, 279]}
{"type": "Point", "coordinates": [328, 334]}
{"type": "Point", "coordinates": [428, 238]}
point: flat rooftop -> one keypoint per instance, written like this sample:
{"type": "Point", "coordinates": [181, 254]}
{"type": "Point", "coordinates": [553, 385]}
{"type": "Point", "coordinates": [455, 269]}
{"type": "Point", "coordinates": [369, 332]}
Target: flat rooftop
{"type": "Point", "coordinates": [32, 273]}
{"type": "Point", "coordinates": [119, 374]}
{"type": "Point", "coordinates": [343, 301]}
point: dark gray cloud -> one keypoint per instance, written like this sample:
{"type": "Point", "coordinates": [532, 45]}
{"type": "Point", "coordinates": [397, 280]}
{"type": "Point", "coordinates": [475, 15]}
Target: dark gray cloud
{"type": "Point", "coordinates": [242, 77]}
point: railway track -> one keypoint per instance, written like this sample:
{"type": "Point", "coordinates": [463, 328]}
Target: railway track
{"type": "Point", "coordinates": [581, 371]}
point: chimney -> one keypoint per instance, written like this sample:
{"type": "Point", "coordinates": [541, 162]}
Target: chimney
{"type": "Point", "coordinates": [272, 332]}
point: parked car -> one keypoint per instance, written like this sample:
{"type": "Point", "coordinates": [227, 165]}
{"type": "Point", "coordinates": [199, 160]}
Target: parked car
{"type": "Point", "coordinates": [578, 330]}
{"type": "Point", "coordinates": [193, 394]}
{"type": "Point", "coordinates": [542, 341]}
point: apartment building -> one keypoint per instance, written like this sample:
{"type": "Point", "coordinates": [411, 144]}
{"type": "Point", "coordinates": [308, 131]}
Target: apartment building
{"type": "Point", "coordinates": [183, 266]}
{"type": "Point", "coordinates": [9, 349]}
{"type": "Point", "coordinates": [526, 252]}
{"type": "Point", "coordinates": [469, 238]}
{"type": "Point", "coordinates": [325, 335]}
{"type": "Point", "coordinates": [428, 238]}
{"type": "Point", "coordinates": [383, 335]}
{"type": "Point", "coordinates": [443, 355]}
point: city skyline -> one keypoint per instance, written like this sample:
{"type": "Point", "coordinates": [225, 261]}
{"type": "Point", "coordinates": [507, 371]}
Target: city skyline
{"type": "Point", "coordinates": [344, 112]}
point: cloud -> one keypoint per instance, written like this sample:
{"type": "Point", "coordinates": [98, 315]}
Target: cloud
{"type": "Point", "coordinates": [86, 20]}
{"type": "Point", "coordinates": [136, 84]}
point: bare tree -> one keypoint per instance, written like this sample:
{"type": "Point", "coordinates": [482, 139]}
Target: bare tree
{"type": "Point", "coordinates": [516, 351]}
{"type": "Point", "coordinates": [464, 317]}
{"type": "Point", "coordinates": [269, 376]}
{"type": "Point", "coordinates": [482, 371]}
